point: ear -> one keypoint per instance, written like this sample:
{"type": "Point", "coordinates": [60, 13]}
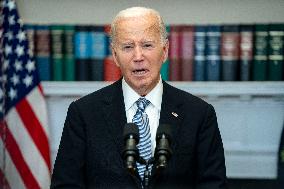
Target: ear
{"type": "Point", "coordinates": [114, 55]}
{"type": "Point", "coordinates": [165, 51]}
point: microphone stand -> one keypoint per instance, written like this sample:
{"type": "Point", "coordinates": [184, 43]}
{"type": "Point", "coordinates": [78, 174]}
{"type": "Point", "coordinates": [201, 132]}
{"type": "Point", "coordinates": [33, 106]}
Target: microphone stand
{"type": "Point", "coordinates": [146, 176]}
{"type": "Point", "coordinates": [147, 173]}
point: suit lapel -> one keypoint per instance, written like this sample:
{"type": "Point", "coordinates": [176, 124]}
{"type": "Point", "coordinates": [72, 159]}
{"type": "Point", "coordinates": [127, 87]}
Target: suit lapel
{"type": "Point", "coordinates": [114, 112]}
{"type": "Point", "coordinates": [115, 117]}
{"type": "Point", "coordinates": [171, 112]}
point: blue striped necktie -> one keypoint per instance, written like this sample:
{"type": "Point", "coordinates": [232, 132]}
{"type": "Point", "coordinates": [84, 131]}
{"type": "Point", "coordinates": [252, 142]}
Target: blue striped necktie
{"type": "Point", "coordinates": [142, 121]}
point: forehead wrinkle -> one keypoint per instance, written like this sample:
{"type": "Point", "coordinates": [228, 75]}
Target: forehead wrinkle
{"type": "Point", "coordinates": [150, 33]}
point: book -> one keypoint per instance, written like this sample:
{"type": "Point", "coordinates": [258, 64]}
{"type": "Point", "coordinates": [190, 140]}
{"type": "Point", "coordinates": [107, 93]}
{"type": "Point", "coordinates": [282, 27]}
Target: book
{"type": "Point", "coordinates": [56, 32]}
{"type": "Point", "coordinates": [99, 50]}
{"type": "Point", "coordinates": [186, 52]}
{"type": "Point", "coordinates": [275, 52]}
{"type": "Point", "coordinates": [199, 53]}
{"type": "Point", "coordinates": [107, 29]}
{"type": "Point", "coordinates": [30, 30]}
{"type": "Point", "coordinates": [165, 66]}
{"type": "Point", "coordinates": [259, 70]}
{"type": "Point", "coordinates": [42, 51]}
{"type": "Point", "coordinates": [230, 41]}
{"type": "Point", "coordinates": [111, 70]}
{"type": "Point", "coordinates": [213, 53]}
{"type": "Point", "coordinates": [82, 52]}
{"type": "Point", "coordinates": [68, 52]}
{"type": "Point", "coordinates": [175, 54]}
{"type": "Point", "coordinates": [246, 51]}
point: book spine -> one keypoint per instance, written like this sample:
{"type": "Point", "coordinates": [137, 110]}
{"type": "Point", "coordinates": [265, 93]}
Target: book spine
{"type": "Point", "coordinates": [57, 52]}
{"type": "Point", "coordinates": [42, 51]}
{"type": "Point", "coordinates": [230, 52]}
{"type": "Point", "coordinates": [111, 71]}
{"type": "Point", "coordinates": [259, 70]}
{"type": "Point", "coordinates": [174, 52]}
{"type": "Point", "coordinates": [30, 29]}
{"type": "Point", "coordinates": [165, 66]}
{"type": "Point", "coordinates": [246, 51]}
{"type": "Point", "coordinates": [98, 52]}
{"type": "Point", "coordinates": [275, 52]}
{"type": "Point", "coordinates": [68, 49]}
{"type": "Point", "coordinates": [199, 53]}
{"type": "Point", "coordinates": [186, 49]}
{"type": "Point", "coordinates": [213, 53]}
{"type": "Point", "coordinates": [82, 52]}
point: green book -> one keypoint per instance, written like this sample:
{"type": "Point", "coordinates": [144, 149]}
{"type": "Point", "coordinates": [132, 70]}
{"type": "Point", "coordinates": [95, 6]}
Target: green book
{"type": "Point", "coordinates": [56, 32]}
{"type": "Point", "coordinates": [165, 66]}
{"type": "Point", "coordinates": [68, 49]}
{"type": "Point", "coordinates": [259, 70]}
{"type": "Point", "coordinates": [275, 52]}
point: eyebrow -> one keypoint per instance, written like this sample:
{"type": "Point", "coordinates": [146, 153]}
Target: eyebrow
{"type": "Point", "coordinates": [131, 42]}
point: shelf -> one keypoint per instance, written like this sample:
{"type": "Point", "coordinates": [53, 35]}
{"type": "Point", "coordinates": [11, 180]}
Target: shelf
{"type": "Point", "coordinates": [215, 89]}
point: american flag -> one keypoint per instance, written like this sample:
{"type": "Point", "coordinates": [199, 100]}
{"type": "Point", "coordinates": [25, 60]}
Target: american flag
{"type": "Point", "coordinates": [24, 147]}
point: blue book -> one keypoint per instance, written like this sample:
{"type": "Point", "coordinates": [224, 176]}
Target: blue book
{"type": "Point", "coordinates": [199, 53]}
{"type": "Point", "coordinates": [246, 51]}
{"type": "Point", "coordinates": [213, 53]}
{"type": "Point", "coordinates": [82, 52]}
{"type": "Point", "coordinates": [99, 50]}
{"type": "Point", "coordinates": [42, 51]}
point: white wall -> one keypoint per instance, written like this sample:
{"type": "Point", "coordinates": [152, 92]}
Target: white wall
{"type": "Point", "coordinates": [173, 11]}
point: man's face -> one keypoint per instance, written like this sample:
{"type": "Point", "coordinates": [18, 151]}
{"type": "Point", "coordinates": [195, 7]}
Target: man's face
{"type": "Point", "coordinates": [139, 52]}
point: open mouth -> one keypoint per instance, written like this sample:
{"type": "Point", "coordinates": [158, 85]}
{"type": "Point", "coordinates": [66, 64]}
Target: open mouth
{"type": "Point", "coordinates": [140, 71]}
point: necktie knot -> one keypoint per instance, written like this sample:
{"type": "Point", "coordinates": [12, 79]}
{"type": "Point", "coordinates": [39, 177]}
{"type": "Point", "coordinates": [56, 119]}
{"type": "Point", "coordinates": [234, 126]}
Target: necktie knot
{"type": "Point", "coordinates": [142, 103]}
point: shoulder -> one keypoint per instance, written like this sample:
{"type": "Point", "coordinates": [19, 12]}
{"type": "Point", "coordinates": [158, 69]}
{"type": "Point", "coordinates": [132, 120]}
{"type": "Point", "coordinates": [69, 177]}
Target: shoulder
{"type": "Point", "coordinates": [100, 96]}
{"type": "Point", "coordinates": [183, 97]}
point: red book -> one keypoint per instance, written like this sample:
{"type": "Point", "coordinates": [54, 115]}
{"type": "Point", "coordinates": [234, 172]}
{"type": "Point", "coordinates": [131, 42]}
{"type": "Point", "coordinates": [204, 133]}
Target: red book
{"type": "Point", "coordinates": [187, 52]}
{"type": "Point", "coordinates": [174, 54]}
{"type": "Point", "coordinates": [111, 71]}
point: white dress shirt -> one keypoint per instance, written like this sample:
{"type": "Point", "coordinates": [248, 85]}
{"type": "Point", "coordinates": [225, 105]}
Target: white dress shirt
{"type": "Point", "coordinates": [153, 109]}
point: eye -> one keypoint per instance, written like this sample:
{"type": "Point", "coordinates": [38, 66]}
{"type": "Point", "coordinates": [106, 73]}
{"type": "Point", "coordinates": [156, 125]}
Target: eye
{"type": "Point", "coordinates": [148, 45]}
{"type": "Point", "coordinates": [127, 47]}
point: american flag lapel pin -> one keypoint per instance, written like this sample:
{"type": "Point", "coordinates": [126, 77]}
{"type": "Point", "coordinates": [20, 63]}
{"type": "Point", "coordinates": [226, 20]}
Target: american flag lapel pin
{"type": "Point", "coordinates": [174, 114]}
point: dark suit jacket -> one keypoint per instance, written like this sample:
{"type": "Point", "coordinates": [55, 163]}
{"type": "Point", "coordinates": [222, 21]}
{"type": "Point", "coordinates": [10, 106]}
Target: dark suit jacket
{"type": "Point", "coordinates": [90, 151]}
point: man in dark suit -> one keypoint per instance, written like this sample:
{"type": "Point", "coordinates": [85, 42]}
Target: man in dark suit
{"type": "Point", "coordinates": [90, 152]}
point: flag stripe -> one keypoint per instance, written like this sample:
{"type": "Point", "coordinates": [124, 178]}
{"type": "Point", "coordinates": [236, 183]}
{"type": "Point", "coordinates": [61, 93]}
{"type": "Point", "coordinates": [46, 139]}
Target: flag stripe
{"type": "Point", "coordinates": [35, 130]}
{"type": "Point", "coordinates": [3, 182]}
{"type": "Point", "coordinates": [40, 89]}
{"type": "Point", "coordinates": [14, 181]}
{"type": "Point", "coordinates": [36, 100]}
{"type": "Point", "coordinates": [29, 150]}
{"type": "Point", "coordinates": [18, 159]}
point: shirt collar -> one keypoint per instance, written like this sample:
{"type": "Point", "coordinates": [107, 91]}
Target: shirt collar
{"type": "Point", "coordinates": [154, 96]}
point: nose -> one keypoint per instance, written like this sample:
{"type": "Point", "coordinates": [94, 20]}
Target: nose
{"type": "Point", "coordinates": [138, 54]}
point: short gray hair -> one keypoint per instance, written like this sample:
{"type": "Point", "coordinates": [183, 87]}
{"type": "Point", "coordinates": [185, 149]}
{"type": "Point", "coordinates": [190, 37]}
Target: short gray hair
{"type": "Point", "coordinates": [137, 12]}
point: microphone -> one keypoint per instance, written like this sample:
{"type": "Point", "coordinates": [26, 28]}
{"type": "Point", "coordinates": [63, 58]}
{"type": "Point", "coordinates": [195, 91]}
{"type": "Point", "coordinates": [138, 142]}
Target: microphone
{"type": "Point", "coordinates": [130, 152]}
{"type": "Point", "coordinates": [163, 150]}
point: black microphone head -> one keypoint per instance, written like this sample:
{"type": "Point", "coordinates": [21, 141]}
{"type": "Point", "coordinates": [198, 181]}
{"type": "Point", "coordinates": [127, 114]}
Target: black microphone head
{"type": "Point", "coordinates": [131, 129]}
{"type": "Point", "coordinates": [164, 129]}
